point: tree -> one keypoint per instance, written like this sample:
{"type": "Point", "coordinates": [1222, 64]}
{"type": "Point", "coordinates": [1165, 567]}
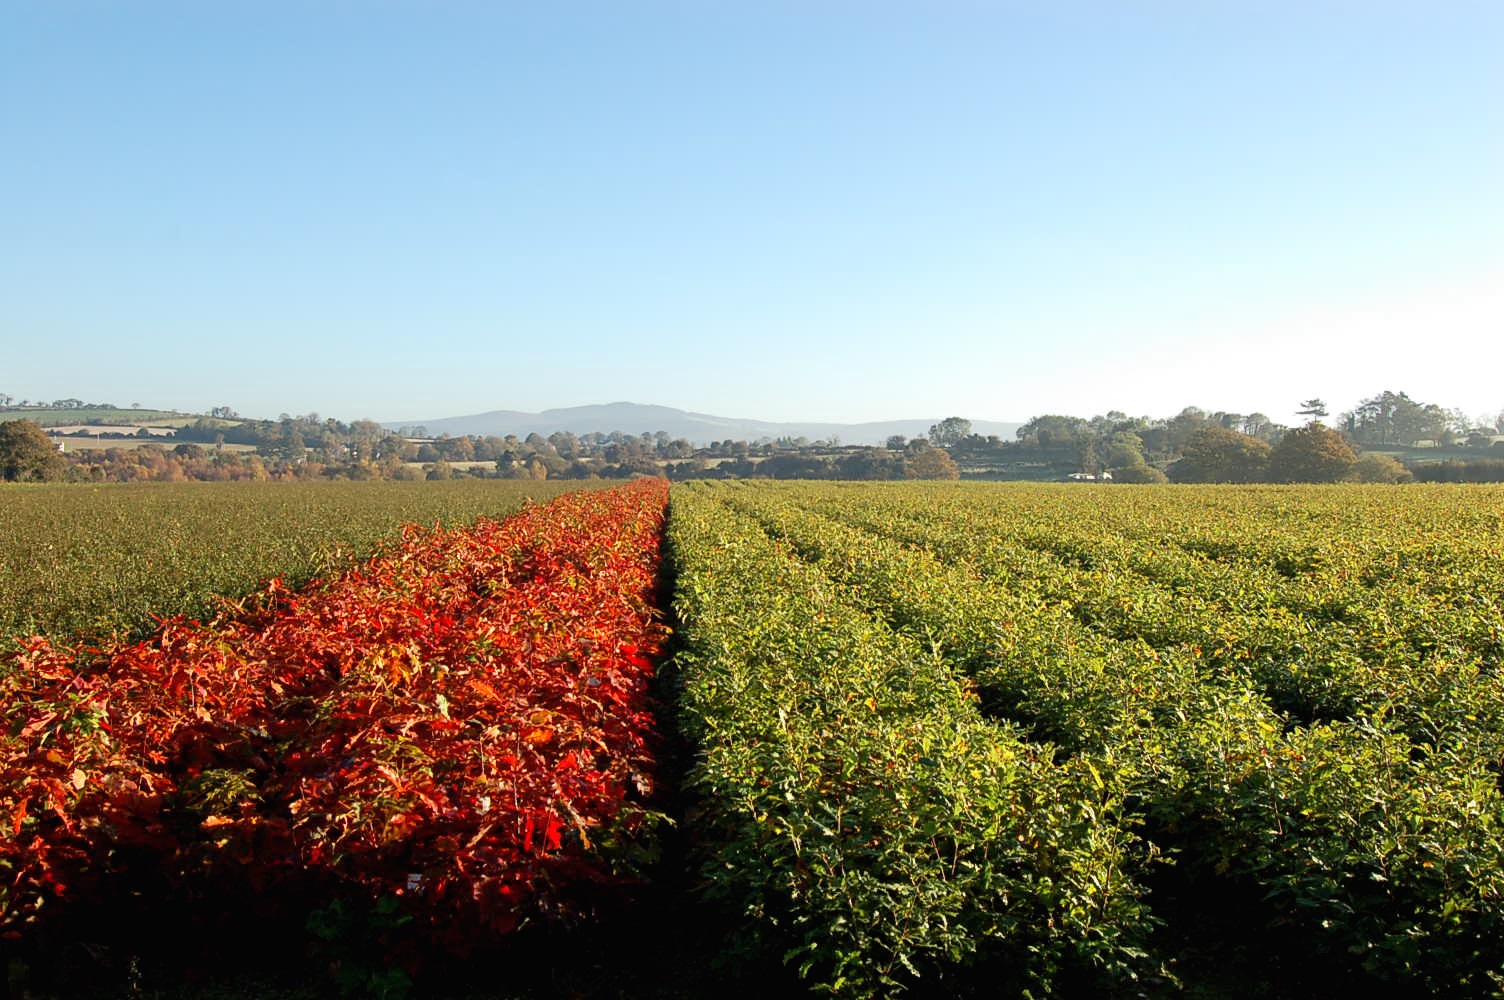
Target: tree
{"type": "Point", "coordinates": [1087, 456]}
{"type": "Point", "coordinates": [1123, 450]}
{"type": "Point", "coordinates": [1215, 454]}
{"type": "Point", "coordinates": [1258, 425]}
{"type": "Point", "coordinates": [460, 449]}
{"type": "Point", "coordinates": [1184, 426]}
{"type": "Point", "coordinates": [897, 442]}
{"type": "Point", "coordinates": [1393, 418]}
{"type": "Point", "coordinates": [1052, 430]}
{"type": "Point", "coordinates": [365, 434]}
{"type": "Point", "coordinates": [26, 453]}
{"type": "Point", "coordinates": [1311, 454]}
{"type": "Point", "coordinates": [1314, 408]}
{"type": "Point", "coordinates": [292, 448]}
{"type": "Point", "coordinates": [869, 463]}
{"type": "Point", "coordinates": [932, 463]}
{"type": "Point", "coordinates": [949, 432]}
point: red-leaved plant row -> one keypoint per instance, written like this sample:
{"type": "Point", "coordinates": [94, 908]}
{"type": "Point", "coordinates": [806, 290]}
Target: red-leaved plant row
{"type": "Point", "coordinates": [463, 720]}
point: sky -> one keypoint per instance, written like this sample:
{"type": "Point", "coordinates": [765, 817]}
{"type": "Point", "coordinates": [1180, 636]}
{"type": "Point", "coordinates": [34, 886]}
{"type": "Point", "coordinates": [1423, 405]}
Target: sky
{"type": "Point", "coordinates": [818, 210]}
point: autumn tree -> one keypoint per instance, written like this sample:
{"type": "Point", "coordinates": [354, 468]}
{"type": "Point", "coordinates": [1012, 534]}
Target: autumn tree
{"type": "Point", "coordinates": [1311, 454]}
{"type": "Point", "coordinates": [365, 437]}
{"type": "Point", "coordinates": [26, 453]}
{"type": "Point", "coordinates": [932, 463]}
{"type": "Point", "coordinates": [1215, 454]}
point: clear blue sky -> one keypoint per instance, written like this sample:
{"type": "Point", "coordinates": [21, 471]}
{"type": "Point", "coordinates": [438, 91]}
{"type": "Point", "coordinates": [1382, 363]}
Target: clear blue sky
{"type": "Point", "coordinates": [784, 210]}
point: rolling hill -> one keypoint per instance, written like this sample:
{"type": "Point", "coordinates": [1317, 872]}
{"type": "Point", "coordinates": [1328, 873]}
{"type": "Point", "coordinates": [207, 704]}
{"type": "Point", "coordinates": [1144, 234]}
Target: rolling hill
{"type": "Point", "coordinates": [698, 428]}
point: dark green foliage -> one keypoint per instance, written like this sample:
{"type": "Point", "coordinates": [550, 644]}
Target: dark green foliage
{"type": "Point", "coordinates": [1480, 470]}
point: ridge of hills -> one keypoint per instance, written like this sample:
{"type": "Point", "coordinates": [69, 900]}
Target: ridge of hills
{"type": "Point", "coordinates": [697, 428]}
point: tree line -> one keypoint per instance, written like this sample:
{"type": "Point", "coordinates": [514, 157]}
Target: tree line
{"type": "Point", "coordinates": [1192, 446]}
{"type": "Point", "coordinates": [1199, 446]}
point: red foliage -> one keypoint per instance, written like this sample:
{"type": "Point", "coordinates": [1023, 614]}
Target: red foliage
{"type": "Point", "coordinates": [464, 720]}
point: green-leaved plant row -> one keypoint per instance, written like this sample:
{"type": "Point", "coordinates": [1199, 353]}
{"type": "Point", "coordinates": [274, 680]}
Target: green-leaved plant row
{"type": "Point", "coordinates": [854, 805]}
{"type": "Point", "coordinates": [1370, 821]}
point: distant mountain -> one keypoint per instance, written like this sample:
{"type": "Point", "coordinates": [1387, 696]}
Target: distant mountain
{"type": "Point", "coordinates": [697, 428]}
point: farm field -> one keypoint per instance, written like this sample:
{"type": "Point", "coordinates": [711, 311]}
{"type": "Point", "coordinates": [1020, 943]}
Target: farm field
{"type": "Point", "coordinates": [77, 444]}
{"type": "Point", "coordinates": [62, 416]}
{"type": "Point", "coordinates": [107, 558]}
{"type": "Point", "coordinates": [1098, 740]}
{"type": "Point", "coordinates": [65, 429]}
{"type": "Point", "coordinates": [937, 739]}
{"type": "Point", "coordinates": [454, 733]}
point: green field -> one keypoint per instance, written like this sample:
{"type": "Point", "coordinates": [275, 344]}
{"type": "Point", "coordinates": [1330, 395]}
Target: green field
{"type": "Point", "coordinates": [954, 739]}
{"type": "Point", "coordinates": [1237, 741]}
{"type": "Point", "coordinates": [107, 558]}
{"type": "Point", "coordinates": [56, 416]}
{"type": "Point", "coordinates": [76, 444]}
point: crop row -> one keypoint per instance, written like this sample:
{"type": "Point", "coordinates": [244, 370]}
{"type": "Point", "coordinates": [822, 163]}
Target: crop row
{"type": "Point", "coordinates": [107, 559]}
{"type": "Point", "coordinates": [855, 807]}
{"type": "Point", "coordinates": [1378, 835]}
{"type": "Point", "coordinates": [1386, 621]}
{"type": "Point", "coordinates": [462, 720]}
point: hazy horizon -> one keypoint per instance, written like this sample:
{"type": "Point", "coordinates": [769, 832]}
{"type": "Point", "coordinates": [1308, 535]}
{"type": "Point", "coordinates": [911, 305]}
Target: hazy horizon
{"type": "Point", "coordinates": [822, 212]}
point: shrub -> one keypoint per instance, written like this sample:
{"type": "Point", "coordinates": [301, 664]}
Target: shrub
{"type": "Point", "coordinates": [1381, 469]}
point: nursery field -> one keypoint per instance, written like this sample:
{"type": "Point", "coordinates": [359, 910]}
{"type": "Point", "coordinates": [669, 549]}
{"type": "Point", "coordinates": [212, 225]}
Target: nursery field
{"type": "Point", "coordinates": [453, 736]}
{"type": "Point", "coordinates": [107, 558]}
{"type": "Point", "coordinates": [930, 739]}
{"type": "Point", "coordinates": [1098, 740]}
